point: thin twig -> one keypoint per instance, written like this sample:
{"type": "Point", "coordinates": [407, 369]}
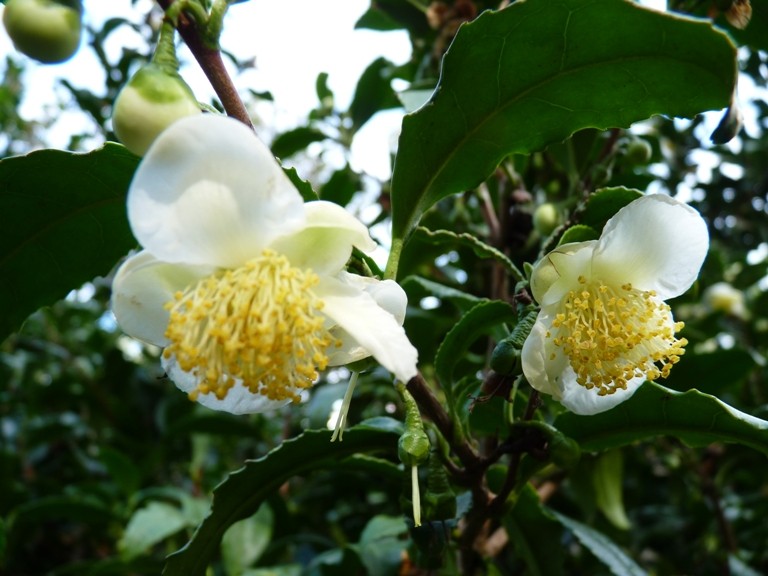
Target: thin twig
{"type": "Point", "coordinates": [212, 65]}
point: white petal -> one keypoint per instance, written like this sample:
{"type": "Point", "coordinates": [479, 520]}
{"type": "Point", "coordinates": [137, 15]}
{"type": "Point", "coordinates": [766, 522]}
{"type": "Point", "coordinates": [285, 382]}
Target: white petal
{"type": "Point", "coordinates": [654, 243]}
{"type": "Point", "coordinates": [579, 400]}
{"type": "Point", "coordinates": [140, 290]}
{"type": "Point", "coordinates": [325, 241]}
{"type": "Point", "coordinates": [239, 400]}
{"type": "Point", "coordinates": [387, 293]}
{"type": "Point", "coordinates": [210, 192]}
{"type": "Point", "coordinates": [542, 371]}
{"type": "Point", "coordinates": [558, 272]}
{"type": "Point", "coordinates": [367, 326]}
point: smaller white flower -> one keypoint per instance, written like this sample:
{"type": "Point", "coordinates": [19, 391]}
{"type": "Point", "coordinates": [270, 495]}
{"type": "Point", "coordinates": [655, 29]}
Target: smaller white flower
{"type": "Point", "coordinates": [604, 327]}
{"type": "Point", "coordinates": [241, 282]}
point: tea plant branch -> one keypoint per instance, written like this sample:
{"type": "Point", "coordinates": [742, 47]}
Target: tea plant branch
{"type": "Point", "coordinates": [208, 55]}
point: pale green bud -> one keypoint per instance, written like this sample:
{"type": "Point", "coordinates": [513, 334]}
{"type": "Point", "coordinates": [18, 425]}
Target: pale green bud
{"type": "Point", "coordinates": [153, 99]}
{"type": "Point", "coordinates": [45, 30]}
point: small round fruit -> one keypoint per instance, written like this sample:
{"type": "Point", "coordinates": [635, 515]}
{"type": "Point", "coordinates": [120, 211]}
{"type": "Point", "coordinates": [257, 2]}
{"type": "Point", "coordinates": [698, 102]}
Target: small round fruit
{"type": "Point", "coordinates": [639, 152]}
{"type": "Point", "coordinates": [545, 219]}
{"type": "Point", "coordinates": [153, 99]}
{"type": "Point", "coordinates": [45, 30]}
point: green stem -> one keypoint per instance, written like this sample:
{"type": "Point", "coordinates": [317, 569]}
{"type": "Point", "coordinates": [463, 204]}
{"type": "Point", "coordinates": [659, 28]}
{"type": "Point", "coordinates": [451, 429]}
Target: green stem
{"type": "Point", "coordinates": [390, 272]}
{"type": "Point", "coordinates": [216, 20]}
{"type": "Point", "coordinates": [165, 52]}
{"type": "Point", "coordinates": [208, 57]}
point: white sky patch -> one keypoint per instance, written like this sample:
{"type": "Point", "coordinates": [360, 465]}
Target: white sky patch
{"type": "Point", "coordinates": [291, 41]}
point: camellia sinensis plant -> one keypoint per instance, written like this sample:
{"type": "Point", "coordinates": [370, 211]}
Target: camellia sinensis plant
{"type": "Point", "coordinates": [538, 347]}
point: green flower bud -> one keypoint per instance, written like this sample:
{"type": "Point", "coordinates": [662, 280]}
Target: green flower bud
{"type": "Point", "coordinates": [45, 30]}
{"type": "Point", "coordinates": [154, 98]}
{"type": "Point", "coordinates": [545, 219]}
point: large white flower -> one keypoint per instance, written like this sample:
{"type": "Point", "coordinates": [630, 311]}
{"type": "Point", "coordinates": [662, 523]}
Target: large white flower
{"type": "Point", "coordinates": [604, 328]}
{"type": "Point", "coordinates": [243, 283]}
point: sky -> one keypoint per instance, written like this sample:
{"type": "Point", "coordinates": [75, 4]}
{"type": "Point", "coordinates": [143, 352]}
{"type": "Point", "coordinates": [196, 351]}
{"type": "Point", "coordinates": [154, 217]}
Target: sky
{"type": "Point", "coordinates": [292, 41]}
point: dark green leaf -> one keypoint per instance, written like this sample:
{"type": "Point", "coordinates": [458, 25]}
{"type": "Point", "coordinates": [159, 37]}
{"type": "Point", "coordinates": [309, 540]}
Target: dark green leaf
{"type": "Point", "coordinates": [534, 534]}
{"type": "Point", "coordinates": [62, 222]}
{"type": "Point", "coordinates": [697, 419]}
{"type": "Point", "coordinates": [241, 494]}
{"type": "Point", "coordinates": [341, 186]}
{"type": "Point", "coordinates": [602, 547]}
{"type": "Point", "coordinates": [483, 317]}
{"type": "Point", "coordinates": [579, 233]}
{"type": "Point", "coordinates": [289, 143]}
{"type": "Point", "coordinates": [585, 64]}
{"type": "Point", "coordinates": [604, 203]}
{"type": "Point", "coordinates": [373, 93]}
{"type": "Point", "coordinates": [480, 248]}
{"type": "Point", "coordinates": [304, 187]}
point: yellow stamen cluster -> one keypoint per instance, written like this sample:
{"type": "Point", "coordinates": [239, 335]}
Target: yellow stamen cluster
{"type": "Point", "coordinates": [259, 323]}
{"type": "Point", "coordinates": [613, 334]}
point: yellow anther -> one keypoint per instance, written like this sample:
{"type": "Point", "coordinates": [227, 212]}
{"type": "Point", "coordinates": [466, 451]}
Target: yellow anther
{"type": "Point", "coordinates": [259, 323]}
{"type": "Point", "coordinates": [613, 334]}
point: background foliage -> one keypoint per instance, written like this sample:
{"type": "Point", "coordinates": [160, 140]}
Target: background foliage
{"type": "Point", "coordinates": [105, 468]}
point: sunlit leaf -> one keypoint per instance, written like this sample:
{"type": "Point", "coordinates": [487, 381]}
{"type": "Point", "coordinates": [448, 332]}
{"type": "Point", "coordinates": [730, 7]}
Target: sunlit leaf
{"type": "Point", "coordinates": [697, 419]}
{"type": "Point", "coordinates": [585, 64]}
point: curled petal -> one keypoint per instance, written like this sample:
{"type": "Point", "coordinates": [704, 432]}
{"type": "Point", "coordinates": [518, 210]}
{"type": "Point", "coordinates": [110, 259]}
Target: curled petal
{"type": "Point", "coordinates": [585, 402]}
{"type": "Point", "coordinates": [239, 400]}
{"type": "Point", "coordinates": [140, 290]}
{"type": "Point", "coordinates": [654, 243]}
{"type": "Point", "coordinates": [558, 272]}
{"type": "Point", "coordinates": [366, 329]}
{"type": "Point", "coordinates": [210, 192]}
{"type": "Point", "coordinates": [325, 241]}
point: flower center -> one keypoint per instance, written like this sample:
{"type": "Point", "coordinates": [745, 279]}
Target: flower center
{"type": "Point", "coordinates": [612, 335]}
{"type": "Point", "coordinates": [260, 324]}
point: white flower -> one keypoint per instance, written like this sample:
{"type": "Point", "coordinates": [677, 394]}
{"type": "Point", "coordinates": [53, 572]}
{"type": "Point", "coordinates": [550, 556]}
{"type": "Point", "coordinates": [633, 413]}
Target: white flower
{"type": "Point", "coordinates": [241, 282]}
{"type": "Point", "coordinates": [604, 328]}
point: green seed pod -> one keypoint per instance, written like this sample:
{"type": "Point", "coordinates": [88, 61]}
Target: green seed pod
{"type": "Point", "coordinates": [45, 30]}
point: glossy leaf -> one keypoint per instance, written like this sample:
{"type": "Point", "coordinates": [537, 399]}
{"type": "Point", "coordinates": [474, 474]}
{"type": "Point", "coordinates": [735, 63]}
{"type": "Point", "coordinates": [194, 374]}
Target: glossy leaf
{"type": "Point", "coordinates": [585, 64]}
{"type": "Point", "coordinates": [697, 419]}
{"type": "Point", "coordinates": [241, 494]}
{"type": "Point", "coordinates": [604, 203]}
{"type": "Point", "coordinates": [602, 547]}
{"type": "Point", "coordinates": [62, 222]}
